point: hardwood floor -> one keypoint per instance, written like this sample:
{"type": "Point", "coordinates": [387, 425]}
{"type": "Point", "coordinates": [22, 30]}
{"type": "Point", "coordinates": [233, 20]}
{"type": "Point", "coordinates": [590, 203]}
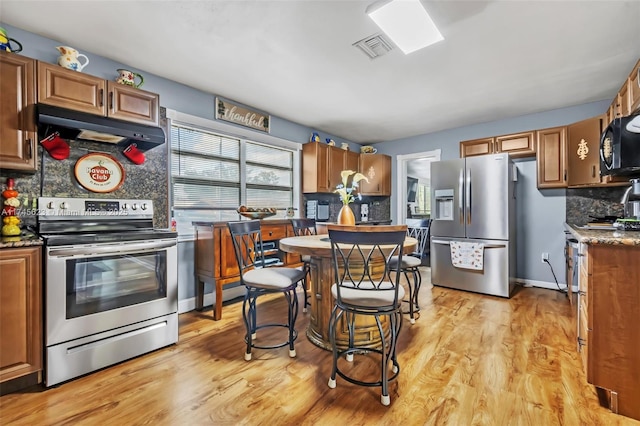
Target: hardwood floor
{"type": "Point", "coordinates": [469, 359]}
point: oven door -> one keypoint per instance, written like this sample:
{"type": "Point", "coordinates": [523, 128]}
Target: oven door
{"type": "Point", "coordinates": [92, 288]}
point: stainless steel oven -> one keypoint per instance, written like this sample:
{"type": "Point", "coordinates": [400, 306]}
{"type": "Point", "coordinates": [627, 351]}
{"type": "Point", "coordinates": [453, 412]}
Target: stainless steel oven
{"type": "Point", "coordinates": [111, 284]}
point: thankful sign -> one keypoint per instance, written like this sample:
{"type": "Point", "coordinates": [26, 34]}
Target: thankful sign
{"type": "Point", "coordinates": [233, 113]}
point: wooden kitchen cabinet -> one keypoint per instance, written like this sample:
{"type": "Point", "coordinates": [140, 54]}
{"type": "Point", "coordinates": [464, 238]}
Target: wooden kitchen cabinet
{"type": "Point", "coordinates": [610, 345]}
{"type": "Point", "coordinates": [583, 155]}
{"type": "Point", "coordinates": [21, 348]}
{"type": "Point", "coordinates": [215, 259]}
{"type": "Point", "coordinates": [322, 165]}
{"type": "Point", "coordinates": [377, 168]}
{"type": "Point", "coordinates": [634, 87]}
{"type": "Point", "coordinates": [18, 134]}
{"type": "Point", "coordinates": [551, 157]}
{"type": "Point", "coordinates": [70, 89]}
{"type": "Point", "coordinates": [518, 145]}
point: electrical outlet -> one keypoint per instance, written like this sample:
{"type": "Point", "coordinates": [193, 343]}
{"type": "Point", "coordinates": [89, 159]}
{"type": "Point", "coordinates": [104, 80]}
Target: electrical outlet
{"type": "Point", "coordinates": [545, 257]}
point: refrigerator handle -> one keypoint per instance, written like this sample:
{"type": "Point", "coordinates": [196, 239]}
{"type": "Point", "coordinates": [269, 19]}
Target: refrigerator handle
{"type": "Point", "coordinates": [468, 196]}
{"type": "Point", "coordinates": [460, 195]}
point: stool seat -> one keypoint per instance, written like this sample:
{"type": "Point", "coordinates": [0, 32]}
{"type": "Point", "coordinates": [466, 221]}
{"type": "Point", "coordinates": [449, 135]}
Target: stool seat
{"type": "Point", "coordinates": [273, 278]}
{"type": "Point", "coordinates": [384, 297]}
{"type": "Point", "coordinates": [407, 262]}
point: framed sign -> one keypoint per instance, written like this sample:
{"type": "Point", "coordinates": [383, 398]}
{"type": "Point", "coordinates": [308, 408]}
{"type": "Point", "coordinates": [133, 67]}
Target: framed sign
{"type": "Point", "coordinates": [99, 172]}
{"type": "Point", "coordinates": [233, 113]}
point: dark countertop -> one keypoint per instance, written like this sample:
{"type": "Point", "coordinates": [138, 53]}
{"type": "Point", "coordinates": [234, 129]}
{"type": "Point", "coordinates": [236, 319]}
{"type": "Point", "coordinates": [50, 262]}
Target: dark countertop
{"type": "Point", "coordinates": [26, 239]}
{"type": "Point", "coordinates": [598, 236]}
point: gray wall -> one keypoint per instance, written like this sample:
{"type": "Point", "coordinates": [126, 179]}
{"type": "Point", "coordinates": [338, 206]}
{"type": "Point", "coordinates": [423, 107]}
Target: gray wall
{"type": "Point", "coordinates": [540, 213]}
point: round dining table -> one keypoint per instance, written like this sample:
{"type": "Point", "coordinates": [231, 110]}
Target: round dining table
{"type": "Point", "coordinates": [318, 248]}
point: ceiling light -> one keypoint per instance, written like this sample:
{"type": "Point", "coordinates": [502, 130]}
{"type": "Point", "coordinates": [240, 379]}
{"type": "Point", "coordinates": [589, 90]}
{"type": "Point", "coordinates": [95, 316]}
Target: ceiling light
{"type": "Point", "coordinates": [406, 22]}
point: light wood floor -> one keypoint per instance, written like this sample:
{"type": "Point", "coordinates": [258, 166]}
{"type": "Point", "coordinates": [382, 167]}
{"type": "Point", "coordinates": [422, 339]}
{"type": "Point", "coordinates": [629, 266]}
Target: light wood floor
{"type": "Point", "coordinates": [469, 359]}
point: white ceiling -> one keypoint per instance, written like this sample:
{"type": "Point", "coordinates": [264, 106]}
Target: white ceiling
{"type": "Point", "coordinates": [295, 59]}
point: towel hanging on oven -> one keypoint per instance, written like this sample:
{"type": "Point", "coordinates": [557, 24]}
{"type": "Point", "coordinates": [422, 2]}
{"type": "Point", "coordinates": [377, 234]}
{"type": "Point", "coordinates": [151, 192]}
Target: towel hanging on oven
{"type": "Point", "coordinates": [467, 255]}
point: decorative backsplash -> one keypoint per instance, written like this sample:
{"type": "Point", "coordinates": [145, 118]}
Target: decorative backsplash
{"type": "Point", "coordinates": [56, 178]}
{"type": "Point", "coordinates": [582, 203]}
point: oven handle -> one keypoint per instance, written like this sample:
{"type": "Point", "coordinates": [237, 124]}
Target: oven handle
{"type": "Point", "coordinates": [119, 248]}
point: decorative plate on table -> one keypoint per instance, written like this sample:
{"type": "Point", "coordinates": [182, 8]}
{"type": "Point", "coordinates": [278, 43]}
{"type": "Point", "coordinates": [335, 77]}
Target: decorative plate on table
{"type": "Point", "coordinates": [256, 213]}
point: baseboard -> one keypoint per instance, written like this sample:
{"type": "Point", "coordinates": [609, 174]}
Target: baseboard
{"type": "Point", "coordinates": [187, 305]}
{"type": "Point", "coordinates": [543, 284]}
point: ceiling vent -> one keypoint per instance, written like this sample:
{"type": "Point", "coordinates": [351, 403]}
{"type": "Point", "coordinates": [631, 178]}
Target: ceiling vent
{"type": "Point", "coordinates": [374, 46]}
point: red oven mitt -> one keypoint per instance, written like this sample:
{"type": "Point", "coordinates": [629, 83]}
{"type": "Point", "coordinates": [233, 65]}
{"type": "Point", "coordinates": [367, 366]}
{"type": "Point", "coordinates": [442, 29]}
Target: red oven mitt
{"type": "Point", "coordinates": [134, 154]}
{"type": "Point", "coordinates": [57, 147]}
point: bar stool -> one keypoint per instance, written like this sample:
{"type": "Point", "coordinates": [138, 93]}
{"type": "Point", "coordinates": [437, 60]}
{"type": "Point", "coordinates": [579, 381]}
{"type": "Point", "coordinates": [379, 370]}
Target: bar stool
{"type": "Point", "coordinates": [364, 287]}
{"type": "Point", "coordinates": [303, 227]}
{"type": "Point", "coordinates": [410, 268]}
{"type": "Point", "coordinates": [259, 280]}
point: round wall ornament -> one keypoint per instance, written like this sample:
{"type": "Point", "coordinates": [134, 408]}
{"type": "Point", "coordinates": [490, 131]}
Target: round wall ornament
{"type": "Point", "coordinates": [99, 172]}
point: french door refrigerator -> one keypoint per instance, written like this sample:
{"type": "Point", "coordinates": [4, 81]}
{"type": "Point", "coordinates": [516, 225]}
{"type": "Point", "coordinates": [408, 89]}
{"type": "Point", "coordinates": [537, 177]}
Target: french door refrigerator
{"type": "Point", "coordinates": [473, 201]}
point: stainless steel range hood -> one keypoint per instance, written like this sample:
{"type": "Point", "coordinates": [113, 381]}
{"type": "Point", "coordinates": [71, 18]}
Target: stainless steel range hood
{"type": "Point", "coordinates": [79, 125]}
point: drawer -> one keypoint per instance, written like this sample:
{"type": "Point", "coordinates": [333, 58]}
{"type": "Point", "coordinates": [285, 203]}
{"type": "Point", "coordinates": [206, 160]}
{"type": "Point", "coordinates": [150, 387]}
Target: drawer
{"type": "Point", "coordinates": [273, 232]}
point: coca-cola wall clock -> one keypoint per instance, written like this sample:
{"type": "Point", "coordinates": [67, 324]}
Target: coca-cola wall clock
{"type": "Point", "coordinates": [99, 172]}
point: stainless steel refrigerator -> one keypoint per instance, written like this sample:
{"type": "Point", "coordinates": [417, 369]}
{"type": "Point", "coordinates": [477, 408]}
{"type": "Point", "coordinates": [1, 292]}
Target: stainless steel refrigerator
{"type": "Point", "coordinates": [473, 205]}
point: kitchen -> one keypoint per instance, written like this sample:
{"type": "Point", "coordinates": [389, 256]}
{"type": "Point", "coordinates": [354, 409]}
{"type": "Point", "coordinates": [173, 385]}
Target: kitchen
{"type": "Point", "coordinates": [538, 234]}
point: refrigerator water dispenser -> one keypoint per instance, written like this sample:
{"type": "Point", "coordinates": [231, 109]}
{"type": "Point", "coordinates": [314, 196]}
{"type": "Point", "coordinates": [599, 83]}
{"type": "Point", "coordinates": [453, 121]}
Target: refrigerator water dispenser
{"type": "Point", "coordinates": [444, 204]}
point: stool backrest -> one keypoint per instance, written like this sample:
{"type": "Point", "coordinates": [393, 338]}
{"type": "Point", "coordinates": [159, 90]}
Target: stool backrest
{"type": "Point", "coordinates": [303, 227]}
{"type": "Point", "coordinates": [362, 256]}
{"type": "Point", "coordinates": [247, 244]}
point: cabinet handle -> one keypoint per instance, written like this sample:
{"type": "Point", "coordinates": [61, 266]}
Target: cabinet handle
{"type": "Point", "coordinates": [593, 171]}
{"type": "Point", "coordinates": [111, 100]}
{"type": "Point", "coordinates": [101, 97]}
{"type": "Point", "coordinates": [29, 148]}
{"type": "Point", "coordinates": [565, 175]}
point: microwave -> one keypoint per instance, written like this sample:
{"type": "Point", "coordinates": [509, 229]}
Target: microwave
{"type": "Point", "coordinates": [620, 147]}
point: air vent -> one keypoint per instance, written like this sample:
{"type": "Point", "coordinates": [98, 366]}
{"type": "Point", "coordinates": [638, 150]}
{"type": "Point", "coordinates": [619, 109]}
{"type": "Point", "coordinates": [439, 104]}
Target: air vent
{"type": "Point", "coordinates": [374, 46]}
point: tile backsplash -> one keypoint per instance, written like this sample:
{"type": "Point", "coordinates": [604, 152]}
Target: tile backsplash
{"type": "Point", "coordinates": [56, 178]}
{"type": "Point", "coordinates": [583, 203]}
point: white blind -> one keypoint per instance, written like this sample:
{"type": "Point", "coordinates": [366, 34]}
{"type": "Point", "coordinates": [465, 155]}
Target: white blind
{"type": "Point", "coordinates": [207, 172]}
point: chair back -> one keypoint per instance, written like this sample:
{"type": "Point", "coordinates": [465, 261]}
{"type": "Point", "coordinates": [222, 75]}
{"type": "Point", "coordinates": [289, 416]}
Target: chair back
{"type": "Point", "coordinates": [303, 227]}
{"type": "Point", "coordinates": [420, 233]}
{"type": "Point", "coordinates": [247, 244]}
{"type": "Point", "coordinates": [361, 259]}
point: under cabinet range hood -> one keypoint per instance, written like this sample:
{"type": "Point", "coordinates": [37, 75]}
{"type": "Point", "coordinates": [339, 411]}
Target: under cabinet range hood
{"type": "Point", "coordinates": [83, 126]}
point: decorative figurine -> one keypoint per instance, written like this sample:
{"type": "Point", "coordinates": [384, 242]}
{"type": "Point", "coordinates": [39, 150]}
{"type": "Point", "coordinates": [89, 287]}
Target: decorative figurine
{"type": "Point", "coordinates": [9, 219]}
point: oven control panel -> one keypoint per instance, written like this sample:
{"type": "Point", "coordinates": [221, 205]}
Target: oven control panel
{"type": "Point", "coordinates": [55, 207]}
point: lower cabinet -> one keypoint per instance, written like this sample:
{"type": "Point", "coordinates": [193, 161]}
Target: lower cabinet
{"type": "Point", "coordinates": [20, 312]}
{"type": "Point", "coordinates": [215, 259]}
{"type": "Point", "coordinates": [609, 314]}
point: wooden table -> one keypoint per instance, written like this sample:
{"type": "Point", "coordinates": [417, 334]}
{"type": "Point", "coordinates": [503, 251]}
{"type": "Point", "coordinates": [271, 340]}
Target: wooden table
{"type": "Point", "coordinates": [318, 247]}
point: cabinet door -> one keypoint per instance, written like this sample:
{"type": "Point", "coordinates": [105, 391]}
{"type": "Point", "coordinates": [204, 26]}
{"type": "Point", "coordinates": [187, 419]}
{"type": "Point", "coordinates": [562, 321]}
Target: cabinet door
{"type": "Point", "coordinates": [374, 167]}
{"type": "Point", "coordinates": [131, 104]}
{"type": "Point", "coordinates": [65, 88]}
{"type": "Point", "coordinates": [352, 161]}
{"type": "Point", "coordinates": [634, 87]}
{"type": "Point", "coordinates": [17, 112]}
{"type": "Point", "coordinates": [517, 145]}
{"type": "Point", "coordinates": [21, 312]}
{"type": "Point", "coordinates": [477, 147]}
{"type": "Point", "coordinates": [336, 166]}
{"type": "Point", "coordinates": [583, 155]}
{"type": "Point", "coordinates": [551, 157]}
{"type": "Point", "coordinates": [624, 99]}
{"type": "Point", "coordinates": [315, 162]}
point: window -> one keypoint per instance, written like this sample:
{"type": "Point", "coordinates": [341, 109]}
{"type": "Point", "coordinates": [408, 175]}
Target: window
{"type": "Point", "coordinates": [212, 174]}
{"type": "Point", "coordinates": [423, 199]}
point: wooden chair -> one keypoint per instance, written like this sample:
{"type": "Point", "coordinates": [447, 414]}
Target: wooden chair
{"type": "Point", "coordinates": [259, 280]}
{"type": "Point", "coordinates": [364, 286]}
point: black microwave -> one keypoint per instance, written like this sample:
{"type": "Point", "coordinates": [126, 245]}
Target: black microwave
{"type": "Point", "coordinates": [620, 147]}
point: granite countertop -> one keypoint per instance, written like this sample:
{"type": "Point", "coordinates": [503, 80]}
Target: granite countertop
{"type": "Point", "coordinates": [602, 236]}
{"type": "Point", "coordinates": [25, 239]}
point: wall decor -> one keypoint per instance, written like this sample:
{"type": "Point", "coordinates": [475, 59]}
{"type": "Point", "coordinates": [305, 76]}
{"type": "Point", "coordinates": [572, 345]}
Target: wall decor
{"type": "Point", "coordinates": [99, 172]}
{"type": "Point", "coordinates": [233, 113]}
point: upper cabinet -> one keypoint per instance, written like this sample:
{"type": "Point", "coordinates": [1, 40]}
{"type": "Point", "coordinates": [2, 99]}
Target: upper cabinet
{"type": "Point", "coordinates": [627, 100]}
{"type": "Point", "coordinates": [17, 112]}
{"type": "Point", "coordinates": [377, 169]}
{"type": "Point", "coordinates": [634, 87]}
{"type": "Point", "coordinates": [517, 145]}
{"type": "Point", "coordinates": [70, 89]}
{"type": "Point", "coordinates": [583, 153]}
{"type": "Point", "coordinates": [551, 157]}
